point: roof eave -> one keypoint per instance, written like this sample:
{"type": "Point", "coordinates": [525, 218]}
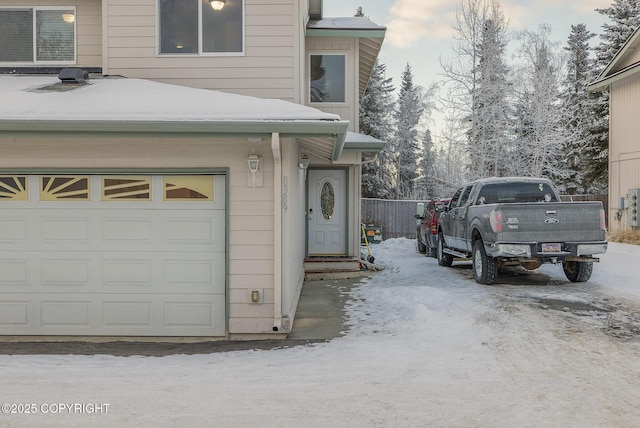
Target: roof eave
{"type": "Point", "coordinates": [183, 127]}
{"type": "Point", "coordinates": [604, 83]}
{"type": "Point", "coordinates": [347, 32]}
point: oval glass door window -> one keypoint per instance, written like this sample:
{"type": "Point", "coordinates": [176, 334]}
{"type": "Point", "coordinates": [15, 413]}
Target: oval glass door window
{"type": "Point", "coordinates": [327, 200]}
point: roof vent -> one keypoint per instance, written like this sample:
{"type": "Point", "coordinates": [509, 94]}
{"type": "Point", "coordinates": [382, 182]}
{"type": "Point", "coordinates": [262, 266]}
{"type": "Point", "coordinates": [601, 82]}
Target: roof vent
{"type": "Point", "coordinates": [73, 75]}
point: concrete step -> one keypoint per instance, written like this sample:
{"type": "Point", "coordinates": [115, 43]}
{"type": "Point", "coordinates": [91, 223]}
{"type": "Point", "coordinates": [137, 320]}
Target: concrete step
{"type": "Point", "coordinates": [325, 276]}
{"type": "Point", "coordinates": [321, 268]}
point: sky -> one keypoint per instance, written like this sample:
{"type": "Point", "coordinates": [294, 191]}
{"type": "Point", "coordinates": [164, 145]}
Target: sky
{"type": "Point", "coordinates": [423, 345]}
{"type": "Point", "coordinates": [419, 32]}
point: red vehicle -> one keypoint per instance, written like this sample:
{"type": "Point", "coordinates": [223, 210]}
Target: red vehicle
{"type": "Point", "coordinates": [427, 230]}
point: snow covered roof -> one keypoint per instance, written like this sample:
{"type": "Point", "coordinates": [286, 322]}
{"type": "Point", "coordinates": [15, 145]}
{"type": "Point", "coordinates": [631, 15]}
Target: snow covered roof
{"type": "Point", "coordinates": [352, 23]}
{"type": "Point", "coordinates": [42, 104]}
{"type": "Point", "coordinates": [363, 143]}
{"type": "Point", "coordinates": [616, 68]}
{"type": "Point", "coordinates": [44, 98]}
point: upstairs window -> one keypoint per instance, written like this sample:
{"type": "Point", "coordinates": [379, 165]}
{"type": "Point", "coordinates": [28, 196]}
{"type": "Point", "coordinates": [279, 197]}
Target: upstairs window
{"type": "Point", "coordinates": [194, 27]}
{"type": "Point", "coordinates": [44, 35]}
{"type": "Point", "coordinates": [328, 76]}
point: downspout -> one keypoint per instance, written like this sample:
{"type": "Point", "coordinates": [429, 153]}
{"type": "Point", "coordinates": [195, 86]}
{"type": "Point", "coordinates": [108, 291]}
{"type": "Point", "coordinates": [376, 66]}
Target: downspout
{"type": "Point", "coordinates": [277, 232]}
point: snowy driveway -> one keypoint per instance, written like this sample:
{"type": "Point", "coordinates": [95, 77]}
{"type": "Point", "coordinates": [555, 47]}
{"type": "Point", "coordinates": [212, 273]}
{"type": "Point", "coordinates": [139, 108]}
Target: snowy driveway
{"type": "Point", "coordinates": [426, 347]}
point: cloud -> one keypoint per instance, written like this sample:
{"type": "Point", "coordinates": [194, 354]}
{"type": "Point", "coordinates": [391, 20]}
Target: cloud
{"type": "Point", "coordinates": [413, 20]}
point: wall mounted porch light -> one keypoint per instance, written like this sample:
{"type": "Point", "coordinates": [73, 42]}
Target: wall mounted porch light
{"type": "Point", "coordinates": [254, 164]}
{"type": "Point", "coordinates": [217, 4]}
{"type": "Point", "coordinates": [304, 162]}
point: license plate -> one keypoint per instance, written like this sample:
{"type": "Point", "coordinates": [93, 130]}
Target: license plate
{"type": "Point", "coordinates": [551, 248]}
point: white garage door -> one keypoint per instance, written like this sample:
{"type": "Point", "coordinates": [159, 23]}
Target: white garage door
{"type": "Point", "coordinates": [112, 255]}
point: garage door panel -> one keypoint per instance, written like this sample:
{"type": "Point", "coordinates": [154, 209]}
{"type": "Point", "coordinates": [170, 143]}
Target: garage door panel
{"type": "Point", "coordinates": [66, 272]}
{"type": "Point", "coordinates": [14, 272]}
{"type": "Point", "coordinates": [55, 230]}
{"type": "Point", "coordinates": [65, 313]}
{"type": "Point", "coordinates": [131, 230]}
{"type": "Point", "coordinates": [105, 267]}
{"type": "Point", "coordinates": [128, 272]}
{"type": "Point", "coordinates": [13, 231]}
{"type": "Point", "coordinates": [118, 315]}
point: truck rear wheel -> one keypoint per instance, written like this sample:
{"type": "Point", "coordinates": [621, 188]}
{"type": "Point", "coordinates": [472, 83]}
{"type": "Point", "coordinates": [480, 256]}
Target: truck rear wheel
{"type": "Point", "coordinates": [485, 268]}
{"type": "Point", "coordinates": [444, 259]}
{"type": "Point", "coordinates": [577, 271]}
{"type": "Point", "coordinates": [420, 245]}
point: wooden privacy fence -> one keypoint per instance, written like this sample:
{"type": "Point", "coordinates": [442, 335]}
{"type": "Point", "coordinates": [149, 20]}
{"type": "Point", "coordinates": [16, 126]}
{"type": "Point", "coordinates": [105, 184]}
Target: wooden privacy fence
{"type": "Point", "coordinates": [396, 218]}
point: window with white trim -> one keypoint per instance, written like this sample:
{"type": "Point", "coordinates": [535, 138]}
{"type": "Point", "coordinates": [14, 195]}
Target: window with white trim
{"type": "Point", "coordinates": [327, 75]}
{"type": "Point", "coordinates": [194, 27]}
{"type": "Point", "coordinates": [37, 35]}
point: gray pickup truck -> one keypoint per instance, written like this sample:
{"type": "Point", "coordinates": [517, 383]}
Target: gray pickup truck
{"type": "Point", "coordinates": [520, 221]}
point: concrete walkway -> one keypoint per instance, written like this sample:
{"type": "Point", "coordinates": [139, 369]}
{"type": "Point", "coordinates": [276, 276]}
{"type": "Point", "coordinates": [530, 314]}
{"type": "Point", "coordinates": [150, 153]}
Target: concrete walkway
{"type": "Point", "coordinates": [320, 314]}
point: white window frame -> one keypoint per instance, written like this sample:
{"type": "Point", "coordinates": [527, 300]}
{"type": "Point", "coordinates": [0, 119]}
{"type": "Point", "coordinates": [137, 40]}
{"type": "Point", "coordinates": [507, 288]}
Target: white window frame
{"type": "Point", "coordinates": [346, 82]}
{"type": "Point", "coordinates": [200, 53]}
{"type": "Point", "coordinates": [35, 47]}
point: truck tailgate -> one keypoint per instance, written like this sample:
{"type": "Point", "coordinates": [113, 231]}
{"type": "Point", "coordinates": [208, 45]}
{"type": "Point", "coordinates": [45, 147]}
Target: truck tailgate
{"type": "Point", "coordinates": [551, 222]}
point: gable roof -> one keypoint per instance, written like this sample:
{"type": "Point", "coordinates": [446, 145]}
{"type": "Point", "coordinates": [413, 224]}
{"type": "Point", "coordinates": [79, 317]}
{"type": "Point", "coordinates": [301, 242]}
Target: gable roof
{"type": "Point", "coordinates": [41, 104]}
{"type": "Point", "coordinates": [370, 37]}
{"type": "Point", "coordinates": [612, 71]}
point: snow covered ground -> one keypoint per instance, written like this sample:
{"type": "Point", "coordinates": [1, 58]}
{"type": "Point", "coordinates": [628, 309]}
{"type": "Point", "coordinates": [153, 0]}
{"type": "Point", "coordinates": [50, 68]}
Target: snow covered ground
{"type": "Point", "coordinates": [426, 347]}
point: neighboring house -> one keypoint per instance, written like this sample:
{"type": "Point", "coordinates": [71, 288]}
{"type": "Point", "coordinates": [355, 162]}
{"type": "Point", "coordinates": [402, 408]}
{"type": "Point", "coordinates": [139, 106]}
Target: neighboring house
{"type": "Point", "coordinates": [621, 79]}
{"type": "Point", "coordinates": [178, 191]}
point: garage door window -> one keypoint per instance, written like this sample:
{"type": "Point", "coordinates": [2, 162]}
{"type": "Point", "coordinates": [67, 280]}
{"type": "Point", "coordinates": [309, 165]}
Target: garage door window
{"type": "Point", "coordinates": [188, 188]}
{"type": "Point", "coordinates": [13, 188]}
{"type": "Point", "coordinates": [126, 188]}
{"type": "Point", "coordinates": [64, 188]}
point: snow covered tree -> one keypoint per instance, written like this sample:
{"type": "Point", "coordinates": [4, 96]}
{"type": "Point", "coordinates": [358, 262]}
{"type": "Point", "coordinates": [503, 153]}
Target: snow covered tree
{"type": "Point", "coordinates": [376, 107]}
{"type": "Point", "coordinates": [578, 103]}
{"type": "Point", "coordinates": [477, 86]}
{"type": "Point", "coordinates": [425, 183]}
{"type": "Point", "coordinates": [488, 135]}
{"type": "Point", "coordinates": [542, 135]}
{"type": "Point", "coordinates": [404, 146]}
{"type": "Point", "coordinates": [625, 17]}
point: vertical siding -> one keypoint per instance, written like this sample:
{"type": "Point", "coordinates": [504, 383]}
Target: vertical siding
{"type": "Point", "coordinates": [88, 27]}
{"type": "Point", "coordinates": [624, 152]}
{"type": "Point", "coordinates": [266, 69]}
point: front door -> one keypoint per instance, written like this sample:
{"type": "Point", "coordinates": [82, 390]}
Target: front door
{"type": "Point", "coordinates": [327, 212]}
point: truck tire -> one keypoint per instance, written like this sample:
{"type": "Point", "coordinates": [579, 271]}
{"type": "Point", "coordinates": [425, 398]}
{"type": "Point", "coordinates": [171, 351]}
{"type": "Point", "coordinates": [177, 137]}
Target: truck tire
{"type": "Point", "coordinates": [420, 246]}
{"type": "Point", "coordinates": [577, 271]}
{"type": "Point", "coordinates": [485, 268]}
{"type": "Point", "coordinates": [444, 259]}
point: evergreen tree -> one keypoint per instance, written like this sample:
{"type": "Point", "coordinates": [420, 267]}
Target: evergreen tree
{"type": "Point", "coordinates": [491, 104]}
{"type": "Point", "coordinates": [545, 134]}
{"type": "Point", "coordinates": [577, 107]}
{"type": "Point", "coordinates": [426, 181]}
{"type": "Point", "coordinates": [477, 89]}
{"type": "Point", "coordinates": [404, 144]}
{"type": "Point", "coordinates": [625, 18]}
{"type": "Point", "coordinates": [376, 107]}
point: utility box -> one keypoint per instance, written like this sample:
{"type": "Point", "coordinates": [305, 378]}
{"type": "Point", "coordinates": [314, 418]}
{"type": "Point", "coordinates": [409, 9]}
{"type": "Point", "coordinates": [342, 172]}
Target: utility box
{"type": "Point", "coordinates": [373, 234]}
{"type": "Point", "coordinates": [632, 206]}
